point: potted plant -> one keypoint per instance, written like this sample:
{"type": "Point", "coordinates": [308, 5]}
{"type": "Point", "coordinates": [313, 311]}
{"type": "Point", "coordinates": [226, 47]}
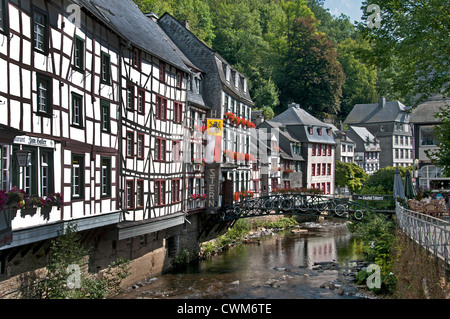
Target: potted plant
{"type": "Point", "coordinates": [15, 197]}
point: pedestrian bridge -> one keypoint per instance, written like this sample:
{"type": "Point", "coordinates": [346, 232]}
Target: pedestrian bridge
{"type": "Point", "coordinates": [306, 204]}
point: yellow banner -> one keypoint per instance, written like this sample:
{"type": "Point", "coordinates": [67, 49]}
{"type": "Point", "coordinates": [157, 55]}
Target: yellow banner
{"type": "Point", "coordinates": [214, 127]}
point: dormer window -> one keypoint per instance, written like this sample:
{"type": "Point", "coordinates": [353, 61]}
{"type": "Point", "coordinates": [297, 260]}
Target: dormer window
{"type": "Point", "coordinates": [179, 79]}
{"type": "Point", "coordinates": [137, 58]}
{"type": "Point", "coordinates": [310, 129]}
{"type": "Point", "coordinates": [228, 73]}
{"type": "Point", "coordinates": [236, 80]}
{"type": "Point", "coordinates": [162, 72]}
{"type": "Point", "coordinates": [319, 131]}
{"type": "Point", "coordinates": [328, 131]}
{"type": "Point", "coordinates": [245, 84]}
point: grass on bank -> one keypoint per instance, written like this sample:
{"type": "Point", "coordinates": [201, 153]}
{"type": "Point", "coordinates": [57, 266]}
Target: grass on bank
{"type": "Point", "coordinates": [242, 227]}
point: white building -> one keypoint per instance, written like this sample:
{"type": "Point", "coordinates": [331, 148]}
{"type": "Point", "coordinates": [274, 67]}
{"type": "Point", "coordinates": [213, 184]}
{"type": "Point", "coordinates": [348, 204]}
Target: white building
{"type": "Point", "coordinates": [367, 149]}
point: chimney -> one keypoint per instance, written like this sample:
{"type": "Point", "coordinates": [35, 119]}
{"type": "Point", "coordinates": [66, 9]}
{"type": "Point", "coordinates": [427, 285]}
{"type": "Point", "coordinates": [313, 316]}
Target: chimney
{"type": "Point", "coordinates": [186, 24]}
{"type": "Point", "coordinates": [257, 117]}
{"type": "Point", "coordinates": [295, 105]}
{"type": "Point", "coordinates": [381, 102]}
{"type": "Point", "coordinates": [151, 15]}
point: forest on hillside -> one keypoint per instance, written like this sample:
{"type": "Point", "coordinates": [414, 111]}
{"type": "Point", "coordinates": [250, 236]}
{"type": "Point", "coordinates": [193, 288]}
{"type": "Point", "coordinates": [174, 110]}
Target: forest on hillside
{"type": "Point", "coordinates": [294, 51]}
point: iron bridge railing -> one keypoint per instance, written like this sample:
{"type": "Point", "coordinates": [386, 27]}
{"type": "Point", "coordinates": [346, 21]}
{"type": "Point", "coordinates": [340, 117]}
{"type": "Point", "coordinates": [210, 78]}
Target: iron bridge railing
{"type": "Point", "coordinates": [430, 232]}
{"type": "Point", "coordinates": [299, 204]}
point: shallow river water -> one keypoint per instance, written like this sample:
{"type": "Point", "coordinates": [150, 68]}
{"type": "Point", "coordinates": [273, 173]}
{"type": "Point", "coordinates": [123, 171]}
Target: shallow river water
{"type": "Point", "coordinates": [284, 265]}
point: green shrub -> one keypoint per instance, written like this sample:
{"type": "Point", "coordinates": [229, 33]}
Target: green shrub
{"type": "Point", "coordinates": [377, 234]}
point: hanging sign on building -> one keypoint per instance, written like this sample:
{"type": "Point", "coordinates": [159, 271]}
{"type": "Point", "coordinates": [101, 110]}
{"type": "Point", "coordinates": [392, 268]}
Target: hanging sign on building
{"type": "Point", "coordinates": [34, 141]}
{"type": "Point", "coordinates": [214, 127]}
{"type": "Point", "coordinates": [214, 132]}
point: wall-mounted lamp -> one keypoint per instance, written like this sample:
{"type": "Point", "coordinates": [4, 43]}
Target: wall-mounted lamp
{"type": "Point", "coordinates": [23, 158]}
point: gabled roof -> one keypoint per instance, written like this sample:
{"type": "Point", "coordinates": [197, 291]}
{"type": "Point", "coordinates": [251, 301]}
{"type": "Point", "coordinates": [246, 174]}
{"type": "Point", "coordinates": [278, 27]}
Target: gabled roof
{"type": "Point", "coordinates": [378, 113]}
{"type": "Point", "coordinates": [296, 116]}
{"type": "Point", "coordinates": [125, 18]}
{"type": "Point", "coordinates": [363, 133]}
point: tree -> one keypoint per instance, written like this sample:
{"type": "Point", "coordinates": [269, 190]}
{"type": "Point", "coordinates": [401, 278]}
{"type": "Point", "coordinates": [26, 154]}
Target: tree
{"type": "Point", "coordinates": [266, 95]}
{"type": "Point", "coordinates": [196, 12]}
{"type": "Point", "coordinates": [416, 34]}
{"type": "Point", "coordinates": [360, 78]}
{"type": "Point", "coordinates": [384, 178]}
{"type": "Point", "coordinates": [351, 175]}
{"type": "Point", "coordinates": [312, 75]}
{"type": "Point", "coordinates": [441, 156]}
{"type": "Point", "coordinates": [67, 276]}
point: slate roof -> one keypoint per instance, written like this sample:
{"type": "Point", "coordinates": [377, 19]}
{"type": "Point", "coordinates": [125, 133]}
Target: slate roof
{"type": "Point", "coordinates": [127, 20]}
{"type": "Point", "coordinates": [376, 113]}
{"type": "Point", "coordinates": [230, 86]}
{"type": "Point", "coordinates": [424, 112]}
{"type": "Point", "coordinates": [295, 116]}
{"type": "Point", "coordinates": [281, 130]}
{"type": "Point", "coordinates": [363, 133]}
{"type": "Point", "coordinates": [360, 135]}
{"type": "Point", "coordinates": [340, 134]}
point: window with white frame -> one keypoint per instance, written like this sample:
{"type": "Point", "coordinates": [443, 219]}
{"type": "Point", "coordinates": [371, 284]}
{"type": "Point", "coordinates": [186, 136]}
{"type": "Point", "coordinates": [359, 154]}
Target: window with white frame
{"type": "Point", "coordinates": [78, 54]}
{"type": "Point", "coordinates": [106, 118]}
{"type": "Point", "coordinates": [77, 176]}
{"type": "Point", "coordinates": [77, 110]}
{"type": "Point", "coordinates": [44, 94]}
{"type": "Point", "coordinates": [140, 145]}
{"type": "Point", "coordinates": [40, 30]}
{"type": "Point", "coordinates": [4, 158]}
{"type": "Point", "coordinates": [130, 144]}
{"type": "Point", "coordinates": [46, 172]}
{"type": "Point", "coordinates": [106, 176]}
{"type": "Point", "coordinates": [105, 68]}
{"type": "Point", "coordinates": [129, 194]}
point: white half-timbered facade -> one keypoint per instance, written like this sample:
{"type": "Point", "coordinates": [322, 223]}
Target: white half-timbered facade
{"type": "Point", "coordinates": [60, 90]}
{"type": "Point", "coordinates": [224, 91]}
{"type": "Point", "coordinates": [153, 82]}
{"type": "Point", "coordinates": [153, 112]}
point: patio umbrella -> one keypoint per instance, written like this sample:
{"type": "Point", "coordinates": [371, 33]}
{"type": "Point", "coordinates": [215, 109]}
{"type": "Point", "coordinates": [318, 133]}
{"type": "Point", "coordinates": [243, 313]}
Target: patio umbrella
{"type": "Point", "coordinates": [399, 191]}
{"type": "Point", "coordinates": [410, 192]}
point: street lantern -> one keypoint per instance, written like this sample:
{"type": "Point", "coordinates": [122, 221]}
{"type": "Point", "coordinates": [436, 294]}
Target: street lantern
{"type": "Point", "coordinates": [23, 158]}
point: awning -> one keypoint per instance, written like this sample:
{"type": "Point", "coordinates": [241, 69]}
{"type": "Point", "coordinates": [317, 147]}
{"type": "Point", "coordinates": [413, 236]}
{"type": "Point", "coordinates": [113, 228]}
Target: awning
{"type": "Point", "coordinates": [129, 229]}
{"type": "Point", "coordinates": [34, 234]}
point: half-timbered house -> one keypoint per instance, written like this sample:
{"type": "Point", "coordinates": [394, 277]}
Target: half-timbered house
{"type": "Point", "coordinates": [59, 98]}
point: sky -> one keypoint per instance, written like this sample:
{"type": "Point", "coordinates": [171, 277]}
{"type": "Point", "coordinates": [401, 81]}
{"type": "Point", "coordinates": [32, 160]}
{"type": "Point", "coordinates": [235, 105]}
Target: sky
{"type": "Point", "coordinates": [351, 8]}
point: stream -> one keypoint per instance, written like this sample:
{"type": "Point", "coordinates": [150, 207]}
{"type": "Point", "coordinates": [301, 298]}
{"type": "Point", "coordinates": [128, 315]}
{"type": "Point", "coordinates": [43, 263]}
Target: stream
{"type": "Point", "coordinates": [319, 264]}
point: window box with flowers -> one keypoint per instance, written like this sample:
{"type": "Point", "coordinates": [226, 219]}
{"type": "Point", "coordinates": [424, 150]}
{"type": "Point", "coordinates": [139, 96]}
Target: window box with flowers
{"type": "Point", "coordinates": [17, 199]}
{"type": "Point", "coordinates": [12, 198]}
{"type": "Point", "coordinates": [233, 119]}
{"type": "Point", "coordinates": [237, 196]}
{"type": "Point", "coordinates": [197, 197]}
